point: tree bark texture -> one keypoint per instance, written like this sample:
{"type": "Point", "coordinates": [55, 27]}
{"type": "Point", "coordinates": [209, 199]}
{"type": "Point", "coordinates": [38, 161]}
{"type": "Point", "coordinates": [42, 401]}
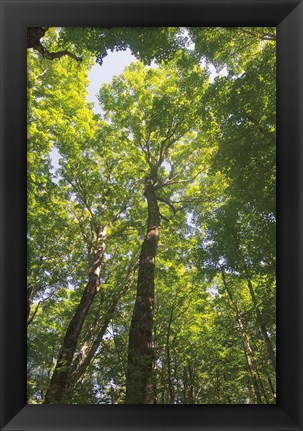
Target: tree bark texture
{"type": "Point", "coordinates": [59, 381]}
{"type": "Point", "coordinates": [87, 352]}
{"type": "Point", "coordinates": [139, 377]}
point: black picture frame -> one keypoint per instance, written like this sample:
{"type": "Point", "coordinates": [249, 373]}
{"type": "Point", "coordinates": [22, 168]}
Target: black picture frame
{"type": "Point", "coordinates": [286, 15]}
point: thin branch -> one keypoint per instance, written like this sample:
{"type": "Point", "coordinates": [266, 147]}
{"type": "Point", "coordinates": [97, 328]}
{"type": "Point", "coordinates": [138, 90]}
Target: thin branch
{"type": "Point", "coordinates": [83, 196]}
{"type": "Point", "coordinates": [34, 314]}
{"type": "Point", "coordinates": [116, 348]}
{"type": "Point", "coordinates": [164, 218]}
{"type": "Point", "coordinates": [38, 305]}
{"type": "Point", "coordinates": [262, 36]}
{"type": "Point", "coordinates": [167, 202]}
{"type": "Point", "coordinates": [118, 213]}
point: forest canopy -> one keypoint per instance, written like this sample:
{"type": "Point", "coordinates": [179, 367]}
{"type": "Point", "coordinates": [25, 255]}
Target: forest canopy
{"type": "Point", "coordinates": [151, 225]}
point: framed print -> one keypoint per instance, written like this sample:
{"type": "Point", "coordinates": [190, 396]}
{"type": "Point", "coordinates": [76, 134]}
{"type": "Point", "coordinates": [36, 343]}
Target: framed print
{"type": "Point", "coordinates": [148, 150]}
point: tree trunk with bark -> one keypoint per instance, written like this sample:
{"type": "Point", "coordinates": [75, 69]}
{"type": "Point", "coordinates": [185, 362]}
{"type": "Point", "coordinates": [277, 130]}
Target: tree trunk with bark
{"type": "Point", "coordinates": [273, 391]}
{"type": "Point", "coordinates": [87, 351]}
{"type": "Point", "coordinates": [59, 381]}
{"type": "Point", "coordinates": [245, 340]}
{"type": "Point", "coordinates": [188, 392]}
{"type": "Point", "coordinates": [262, 388]}
{"type": "Point", "coordinates": [139, 377]}
{"type": "Point", "coordinates": [260, 320]}
{"type": "Point", "coordinates": [168, 359]}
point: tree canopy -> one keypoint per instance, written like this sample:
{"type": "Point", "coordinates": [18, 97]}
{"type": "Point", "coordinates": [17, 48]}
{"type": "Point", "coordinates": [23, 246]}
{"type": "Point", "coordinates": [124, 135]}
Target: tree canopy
{"type": "Point", "coordinates": [151, 226]}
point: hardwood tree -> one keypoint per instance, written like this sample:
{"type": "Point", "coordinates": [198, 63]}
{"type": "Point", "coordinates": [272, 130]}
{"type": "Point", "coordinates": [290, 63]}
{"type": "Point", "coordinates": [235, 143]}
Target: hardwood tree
{"type": "Point", "coordinates": [117, 311]}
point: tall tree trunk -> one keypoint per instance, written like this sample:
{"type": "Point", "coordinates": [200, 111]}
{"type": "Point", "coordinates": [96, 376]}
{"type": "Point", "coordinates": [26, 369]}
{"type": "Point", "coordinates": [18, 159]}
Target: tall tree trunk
{"type": "Point", "coordinates": [263, 388]}
{"type": "Point", "coordinates": [59, 381]}
{"type": "Point", "coordinates": [139, 377]}
{"type": "Point", "coordinates": [188, 385]}
{"type": "Point", "coordinates": [87, 351]}
{"type": "Point", "coordinates": [271, 387]}
{"type": "Point", "coordinates": [218, 389]}
{"type": "Point", "coordinates": [191, 387]}
{"type": "Point", "coordinates": [162, 385]}
{"type": "Point", "coordinates": [185, 386]}
{"type": "Point", "coordinates": [261, 323]}
{"type": "Point", "coordinates": [259, 317]}
{"type": "Point", "coordinates": [168, 359]}
{"type": "Point", "coordinates": [260, 320]}
{"type": "Point", "coordinates": [245, 341]}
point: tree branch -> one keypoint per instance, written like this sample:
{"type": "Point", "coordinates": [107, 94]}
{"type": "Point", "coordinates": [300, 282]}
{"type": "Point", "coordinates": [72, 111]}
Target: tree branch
{"type": "Point", "coordinates": [261, 36]}
{"type": "Point", "coordinates": [38, 305]}
{"type": "Point", "coordinates": [164, 218]}
{"type": "Point", "coordinates": [167, 202]}
{"type": "Point", "coordinates": [34, 34]}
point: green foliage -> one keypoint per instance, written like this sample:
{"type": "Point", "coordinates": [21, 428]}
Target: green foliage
{"type": "Point", "coordinates": [209, 146]}
{"type": "Point", "coordinates": [231, 47]}
{"type": "Point", "coordinates": [147, 43]}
